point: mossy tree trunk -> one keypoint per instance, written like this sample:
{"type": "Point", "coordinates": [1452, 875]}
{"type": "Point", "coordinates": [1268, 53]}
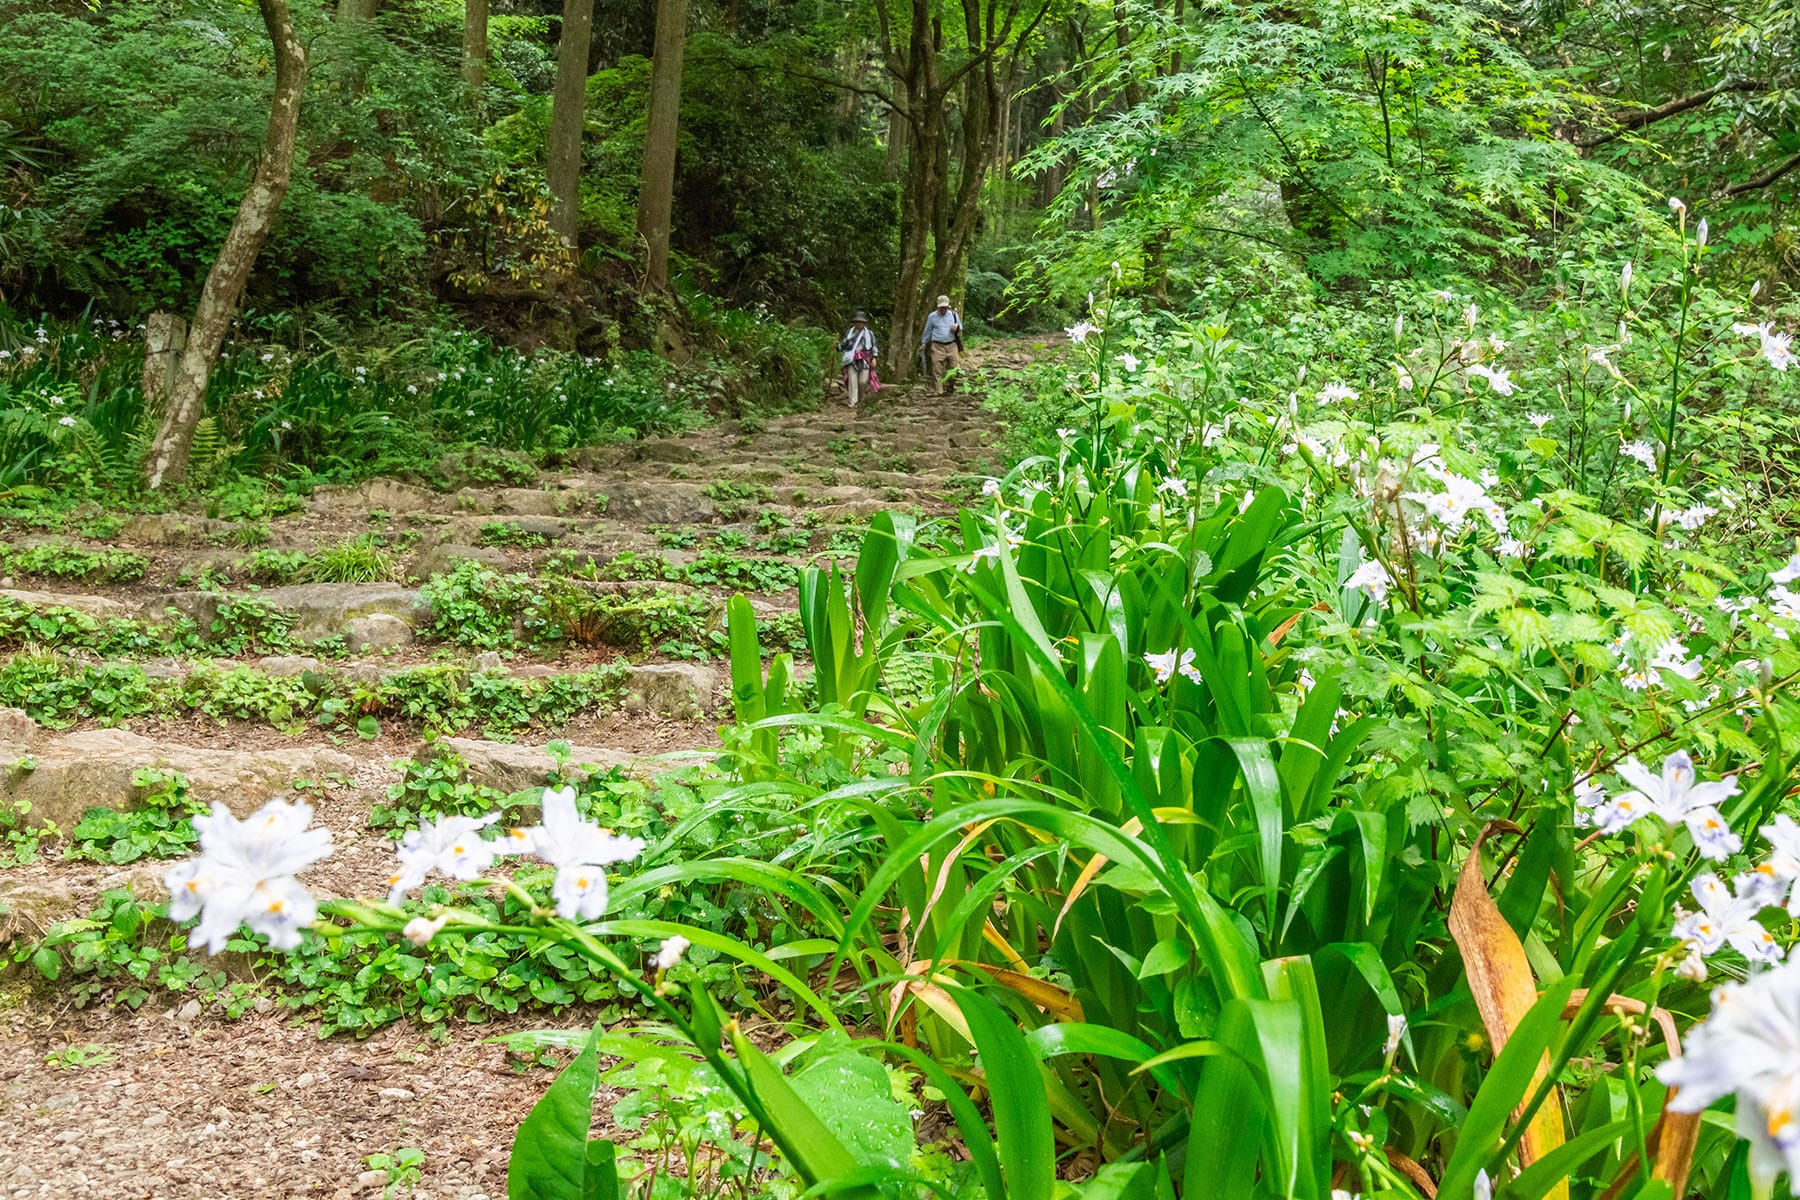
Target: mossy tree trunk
{"type": "Point", "coordinates": [656, 185]}
{"type": "Point", "coordinates": [568, 112]}
{"type": "Point", "coordinates": [167, 461]}
{"type": "Point", "coordinates": [475, 49]}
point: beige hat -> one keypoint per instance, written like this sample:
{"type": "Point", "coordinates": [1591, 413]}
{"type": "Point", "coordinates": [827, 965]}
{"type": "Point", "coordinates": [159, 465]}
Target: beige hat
{"type": "Point", "coordinates": [943, 302]}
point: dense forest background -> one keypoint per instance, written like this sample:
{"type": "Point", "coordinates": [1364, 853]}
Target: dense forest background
{"type": "Point", "coordinates": [691, 236]}
{"type": "Point", "coordinates": [1205, 148]}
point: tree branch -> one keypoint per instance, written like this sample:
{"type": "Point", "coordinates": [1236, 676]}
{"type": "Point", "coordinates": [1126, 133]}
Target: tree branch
{"type": "Point", "coordinates": [1765, 179]}
{"type": "Point", "coordinates": [1639, 118]}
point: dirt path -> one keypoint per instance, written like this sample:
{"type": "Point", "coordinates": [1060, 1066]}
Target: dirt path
{"type": "Point", "coordinates": [174, 1101]}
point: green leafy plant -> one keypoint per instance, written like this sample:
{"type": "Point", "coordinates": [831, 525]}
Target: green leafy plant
{"type": "Point", "coordinates": [156, 826]}
{"type": "Point", "coordinates": [79, 1057]}
{"type": "Point", "coordinates": [403, 1169]}
{"type": "Point", "coordinates": [508, 533]}
{"type": "Point", "coordinates": [361, 559]}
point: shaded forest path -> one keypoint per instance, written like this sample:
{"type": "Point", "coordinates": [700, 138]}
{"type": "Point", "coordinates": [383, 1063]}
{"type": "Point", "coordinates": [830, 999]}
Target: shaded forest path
{"type": "Point", "coordinates": [174, 1100]}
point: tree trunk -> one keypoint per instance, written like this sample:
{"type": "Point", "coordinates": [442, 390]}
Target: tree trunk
{"type": "Point", "coordinates": [1122, 31]}
{"type": "Point", "coordinates": [656, 188]}
{"type": "Point", "coordinates": [475, 49]}
{"type": "Point", "coordinates": [165, 336]}
{"type": "Point", "coordinates": [898, 132]}
{"type": "Point", "coordinates": [167, 461]}
{"type": "Point", "coordinates": [568, 112]}
{"type": "Point", "coordinates": [357, 10]}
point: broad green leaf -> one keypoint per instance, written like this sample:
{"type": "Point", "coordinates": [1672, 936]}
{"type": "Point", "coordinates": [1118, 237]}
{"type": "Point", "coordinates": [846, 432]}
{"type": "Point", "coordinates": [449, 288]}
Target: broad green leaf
{"type": "Point", "coordinates": [851, 1094]}
{"type": "Point", "coordinates": [1016, 1092]}
{"type": "Point", "coordinates": [550, 1151]}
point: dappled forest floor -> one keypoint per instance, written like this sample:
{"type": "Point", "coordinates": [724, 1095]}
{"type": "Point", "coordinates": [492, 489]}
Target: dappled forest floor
{"type": "Point", "coordinates": [174, 1099]}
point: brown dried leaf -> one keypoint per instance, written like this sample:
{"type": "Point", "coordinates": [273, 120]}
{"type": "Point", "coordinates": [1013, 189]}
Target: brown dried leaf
{"type": "Point", "coordinates": [1500, 979]}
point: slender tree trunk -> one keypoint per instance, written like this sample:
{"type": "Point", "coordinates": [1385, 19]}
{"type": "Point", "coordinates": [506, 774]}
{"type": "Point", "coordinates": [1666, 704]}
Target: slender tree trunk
{"type": "Point", "coordinates": [898, 134]}
{"type": "Point", "coordinates": [1122, 31]}
{"type": "Point", "coordinates": [1180, 22]}
{"type": "Point", "coordinates": [568, 114]}
{"type": "Point", "coordinates": [167, 461]}
{"type": "Point", "coordinates": [357, 10]}
{"type": "Point", "coordinates": [920, 195]}
{"type": "Point", "coordinates": [656, 189]}
{"type": "Point", "coordinates": [475, 49]}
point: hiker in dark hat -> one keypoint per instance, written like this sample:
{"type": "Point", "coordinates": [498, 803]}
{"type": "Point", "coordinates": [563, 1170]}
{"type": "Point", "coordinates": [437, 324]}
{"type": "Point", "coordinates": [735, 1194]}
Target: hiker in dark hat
{"type": "Point", "coordinates": [857, 348]}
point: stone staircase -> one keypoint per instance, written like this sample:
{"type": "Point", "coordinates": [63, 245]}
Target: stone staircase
{"type": "Point", "coordinates": [739, 496]}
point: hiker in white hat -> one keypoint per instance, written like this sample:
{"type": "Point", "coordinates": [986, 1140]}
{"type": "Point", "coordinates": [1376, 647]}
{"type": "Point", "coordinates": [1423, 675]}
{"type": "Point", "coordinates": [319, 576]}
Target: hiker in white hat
{"type": "Point", "coordinates": [941, 343]}
{"type": "Point", "coordinates": [858, 352]}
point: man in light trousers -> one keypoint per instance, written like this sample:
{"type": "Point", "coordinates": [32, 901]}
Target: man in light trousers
{"type": "Point", "coordinates": [941, 342]}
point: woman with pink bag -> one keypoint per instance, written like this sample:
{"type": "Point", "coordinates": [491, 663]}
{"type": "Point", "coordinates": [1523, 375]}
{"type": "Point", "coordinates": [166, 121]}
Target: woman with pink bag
{"type": "Point", "coordinates": [858, 351]}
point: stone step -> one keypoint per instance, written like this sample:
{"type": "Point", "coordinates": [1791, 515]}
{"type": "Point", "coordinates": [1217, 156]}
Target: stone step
{"type": "Point", "coordinates": [62, 775]}
{"type": "Point", "coordinates": [513, 767]}
{"type": "Point", "coordinates": [685, 691]}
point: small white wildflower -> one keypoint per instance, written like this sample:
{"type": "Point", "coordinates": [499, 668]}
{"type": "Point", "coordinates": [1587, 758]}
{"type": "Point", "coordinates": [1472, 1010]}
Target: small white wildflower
{"type": "Point", "coordinates": [1788, 573]}
{"type": "Point", "coordinates": [1372, 578]}
{"type": "Point", "coordinates": [1334, 393]}
{"type": "Point", "coordinates": [1701, 233]}
{"type": "Point", "coordinates": [66, 422]}
{"type": "Point", "coordinates": [1676, 206]}
{"type": "Point", "coordinates": [1674, 797]}
{"type": "Point", "coordinates": [1079, 331]}
{"type": "Point", "coordinates": [1724, 920]}
{"type": "Point", "coordinates": [1175, 485]}
{"type": "Point", "coordinates": [1539, 420]}
{"type": "Point", "coordinates": [1693, 517]}
{"type": "Point", "coordinates": [1066, 434]}
{"type": "Point", "coordinates": [1497, 378]}
{"type": "Point", "coordinates": [989, 553]}
{"type": "Point", "coordinates": [990, 487]}
{"type": "Point", "coordinates": [670, 952]}
{"type": "Point", "coordinates": [1131, 361]}
{"type": "Point", "coordinates": [1641, 450]}
{"type": "Point", "coordinates": [1625, 280]}
{"type": "Point", "coordinates": [1396, 1026]}
{"type": "Point", "coordinates": [1170, 663]}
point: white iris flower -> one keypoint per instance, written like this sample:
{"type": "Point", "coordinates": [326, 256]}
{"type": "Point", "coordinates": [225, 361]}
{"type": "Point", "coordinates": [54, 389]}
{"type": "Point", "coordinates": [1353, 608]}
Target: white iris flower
{"type": "Point", "coordinates": [580, 851]}
{"type": "Point", "coordinates": [245, 872]}
{"type": "Point", "coordinates": [1750, 1048]}
{"type": "Point", "coordinates": [453, 845]}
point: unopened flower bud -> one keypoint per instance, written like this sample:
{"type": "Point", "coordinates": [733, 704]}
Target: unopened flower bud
{"type": "Point", "coordinates": [419, 931]}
